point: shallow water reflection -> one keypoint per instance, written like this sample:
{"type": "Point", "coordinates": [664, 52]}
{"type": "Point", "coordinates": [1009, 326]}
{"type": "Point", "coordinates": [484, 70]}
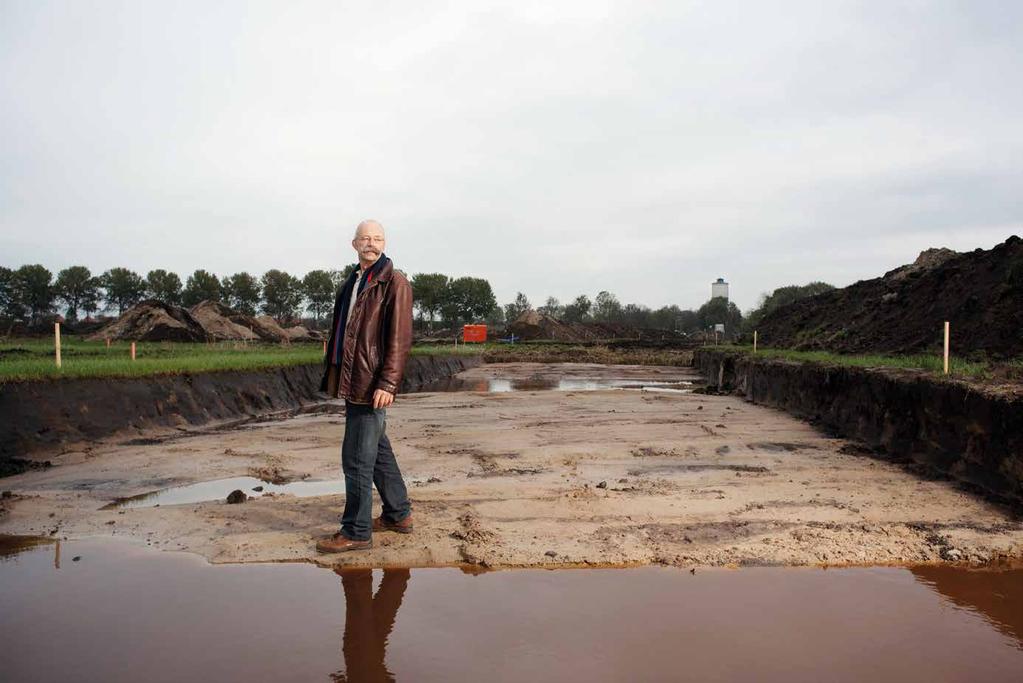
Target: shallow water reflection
{"type": "Point", "coordinates": [499, 385]}
{"type": "Point", "coordinates": [368, 622]}
{"type": "Point", "coordinates": [995, 595]}
{"type": "Point", "coordinates": [114, 611]}
{"type": "Point", "coordinates": [218, 489]}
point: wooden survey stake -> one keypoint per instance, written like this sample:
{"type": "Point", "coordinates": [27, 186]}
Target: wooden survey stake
{"type": "Point", "coordinates": [946, 347]}
{"type": "Point", "coordinates": [133, 350]}
{"type": "Point", "coordinates": [56, 341]}
{"type": "Point", "coordinates": [754, 341]}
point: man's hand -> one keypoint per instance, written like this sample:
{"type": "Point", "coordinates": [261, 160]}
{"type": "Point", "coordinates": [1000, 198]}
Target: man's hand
{"type": "Point", "coordinates": [382, 399]}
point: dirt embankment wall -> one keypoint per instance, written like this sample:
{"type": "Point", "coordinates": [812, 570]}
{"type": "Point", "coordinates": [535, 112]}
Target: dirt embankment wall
{"type": "Point", "coordinates": [47, 415]}
{"type": "Point", "coordinates": [957, 429]}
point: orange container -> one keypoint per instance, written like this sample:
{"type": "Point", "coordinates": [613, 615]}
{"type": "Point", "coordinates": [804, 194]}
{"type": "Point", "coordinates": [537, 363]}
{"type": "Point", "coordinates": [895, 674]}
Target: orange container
{"type": "Point", "coordinates": [474, 333]}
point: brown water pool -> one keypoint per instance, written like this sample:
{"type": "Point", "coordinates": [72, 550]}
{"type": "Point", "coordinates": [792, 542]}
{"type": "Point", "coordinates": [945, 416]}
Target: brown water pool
{"type": "Point", "coordinates": [111, 610]}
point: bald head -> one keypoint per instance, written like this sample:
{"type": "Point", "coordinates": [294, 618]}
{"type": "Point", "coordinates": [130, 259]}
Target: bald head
{"type": "Point", "coordinates": [368, 242]}
{"type": "Point", "coordinates": [369, 227]}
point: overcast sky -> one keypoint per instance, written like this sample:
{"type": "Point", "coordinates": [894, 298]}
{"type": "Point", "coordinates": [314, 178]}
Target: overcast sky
{"type": "Point", "coordinates": [553, 148]}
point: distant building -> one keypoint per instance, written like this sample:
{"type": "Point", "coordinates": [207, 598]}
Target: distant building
{"type": "Point", "coordinates": [719, 289]}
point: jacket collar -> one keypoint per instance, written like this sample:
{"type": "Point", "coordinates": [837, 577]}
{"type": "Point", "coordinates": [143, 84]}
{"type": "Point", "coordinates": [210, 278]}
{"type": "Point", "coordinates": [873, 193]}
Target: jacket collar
{"type": "Point", "coordinates": [381, 270]}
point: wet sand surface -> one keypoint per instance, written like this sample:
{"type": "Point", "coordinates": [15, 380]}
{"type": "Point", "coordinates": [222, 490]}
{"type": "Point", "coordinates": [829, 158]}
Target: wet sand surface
{"type": "Point", "coordinates": [103, 609]}
{"type": "Point", "coordinates": [532, 478]}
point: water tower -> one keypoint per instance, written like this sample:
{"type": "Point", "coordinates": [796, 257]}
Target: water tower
{"type": "Point", "coordinates": [719, 289]}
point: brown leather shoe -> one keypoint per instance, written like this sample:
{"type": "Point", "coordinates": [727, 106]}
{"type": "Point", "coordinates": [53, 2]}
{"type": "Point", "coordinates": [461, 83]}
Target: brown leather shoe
{"type": "Point", "coordinates": [402, 527]}
{"type": "Point", "coordinates": [339, 543]}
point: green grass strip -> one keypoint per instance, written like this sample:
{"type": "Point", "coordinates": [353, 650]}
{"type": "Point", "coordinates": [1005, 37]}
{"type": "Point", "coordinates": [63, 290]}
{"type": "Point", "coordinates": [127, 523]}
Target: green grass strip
{"type": "Point", "coordinates": [958, 367]}
{"type": "Point", "coordinates": [33, 359]}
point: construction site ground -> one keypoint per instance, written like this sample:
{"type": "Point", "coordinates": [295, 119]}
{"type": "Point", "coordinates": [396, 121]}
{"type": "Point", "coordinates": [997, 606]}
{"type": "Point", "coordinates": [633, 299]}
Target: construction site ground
{"type": "Point", "coordinates": [529, 478]}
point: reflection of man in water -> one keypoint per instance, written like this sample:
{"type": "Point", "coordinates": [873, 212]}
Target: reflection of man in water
{"type": "Point", "coordinates": [368, 622]}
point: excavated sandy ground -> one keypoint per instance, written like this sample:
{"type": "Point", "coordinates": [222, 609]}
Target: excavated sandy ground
{"type": "Point", "coordinates": [518, 479]}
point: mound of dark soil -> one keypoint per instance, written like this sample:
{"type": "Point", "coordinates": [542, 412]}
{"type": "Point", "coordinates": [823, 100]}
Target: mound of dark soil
{"type": "Point", "coordinates": [980, 293]}
{"type": "Point", "coordinates": [153, 320]}
{"type": "Point", "coordinates": [286, 334]}
{"type": "Point", "coordinates": [223, 323]}
{"type": "Point", "coordinates": [532, 325]}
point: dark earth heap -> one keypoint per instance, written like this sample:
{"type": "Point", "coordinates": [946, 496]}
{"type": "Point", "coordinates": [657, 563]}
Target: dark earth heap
{"type": "Point", "coordinates": [903, 312]}
{"type": "Point", "coordinates": [532, 325]}
{"type": "Point", "coordinates": [153, 320]}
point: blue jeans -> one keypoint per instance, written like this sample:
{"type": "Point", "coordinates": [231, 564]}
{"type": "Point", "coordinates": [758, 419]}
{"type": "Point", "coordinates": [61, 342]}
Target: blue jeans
{"type": "Point", "coordinates": [367, 459]}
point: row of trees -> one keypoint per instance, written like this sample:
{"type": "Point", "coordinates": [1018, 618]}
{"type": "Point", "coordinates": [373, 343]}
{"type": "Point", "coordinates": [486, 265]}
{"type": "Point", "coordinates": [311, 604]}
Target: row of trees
{"type": "Point", "coordinates": [454, 300]}
{"type": "Point", "coordinates": [30, 294]}
{"type": "Point", "coordinates": [781, 297]}
{"type": "Point", "coordinates": [606, 308]}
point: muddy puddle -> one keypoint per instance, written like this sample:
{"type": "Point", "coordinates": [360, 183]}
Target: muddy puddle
{"type": "Point", "coordinates": [110, 610]}
{"type": "Point", "coordinates": [219, 489]}
{"type": "Point", "coordinates": [501, 385]}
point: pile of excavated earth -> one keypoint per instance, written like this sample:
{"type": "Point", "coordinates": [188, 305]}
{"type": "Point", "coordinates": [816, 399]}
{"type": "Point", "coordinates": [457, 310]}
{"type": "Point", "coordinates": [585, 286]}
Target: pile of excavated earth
{"type": "Point", "coordinates": [153, 320]}
{"type": "Point", "coordinates": [980, 293]}
{"type": "Point", "coordinates": [533, 325]}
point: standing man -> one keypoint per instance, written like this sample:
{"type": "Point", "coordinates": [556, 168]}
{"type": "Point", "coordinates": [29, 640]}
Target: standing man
{"type": "Point", "coordinates": [370, 338]}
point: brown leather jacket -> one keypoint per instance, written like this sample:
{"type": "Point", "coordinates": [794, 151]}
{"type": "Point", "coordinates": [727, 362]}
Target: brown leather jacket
{"type": "Point", "coordinates": [377, 340]}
